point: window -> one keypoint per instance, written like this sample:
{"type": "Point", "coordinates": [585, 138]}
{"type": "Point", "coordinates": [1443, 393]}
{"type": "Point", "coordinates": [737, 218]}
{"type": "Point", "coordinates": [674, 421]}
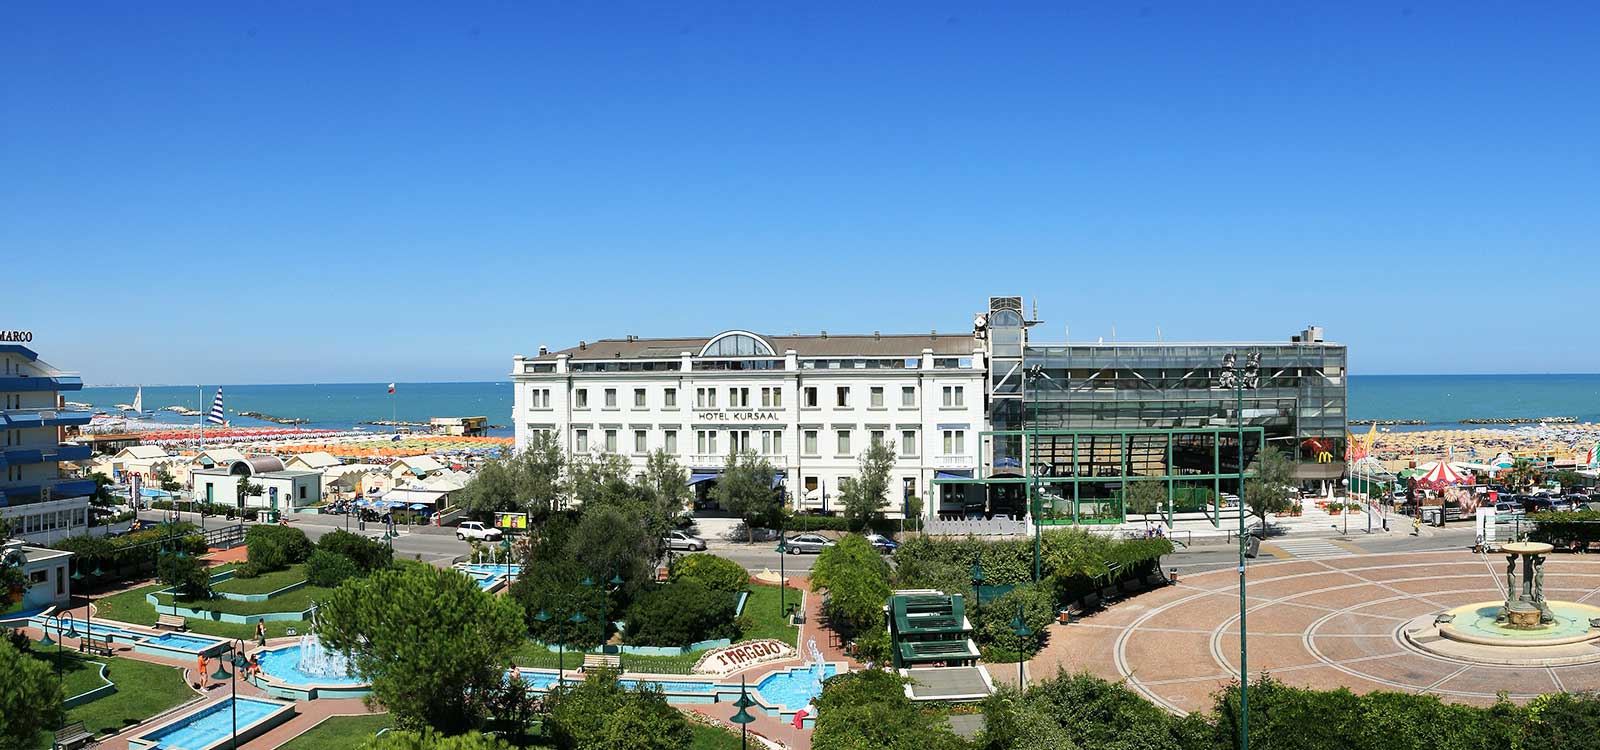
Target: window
{"type": "Point", "coordinates": [908, 442]}
{"type": "Point", "coordinates": [738, 398]}
{"type": "Point", "coordinates": [672, 441]}
{"type": "Point", "coordinates": [908, 396]}
{"type": "Point", "coordinates": [771, 398]}
{"type": "Point", "coordinates": [539, 398]}
{"type": "Point", "coordinates": [302, 492]}
{"type": "Point", "coordinates": [638, 398]}
{"type": "Point", "coordinates": [581, 441]}
{"type": "Point", "coordinates": [706, 442]}
{"type": "Point", "coordinates": [955, 395]}
{"type": "Point", "coordinates": [844, 443]}
{"type": "Point", "coordinates": [738, 441]}
{"type": "Point", "coordinates": [810, 484]}
{"type": "Point", "coordinates": [705, 398]}
{"type": "Point", "coordinates": [809, 447]}
{"type": "Point", "coordinates": [611, 398]}
{"type": "Point", "coordinates": [639, 441]}
{"type": "Point", "coordinates": [842, 396]}
{"type": "Point", "coordinates": [670, 398]}
{"type": "Point", "coordinates": [582, 401]}
{"type": "Point", "coordinates": [875, 397]}
{"type": "Point", "coordinates": [955, 442]}
{"type": "Point", "coordinates": [611, 441]}
{"type": "Point", "coordinates": [810, 400]}
{"type": "Point", "coordinates": [771, 442]}
{"type": "Point", "coordinates": [877, 437]}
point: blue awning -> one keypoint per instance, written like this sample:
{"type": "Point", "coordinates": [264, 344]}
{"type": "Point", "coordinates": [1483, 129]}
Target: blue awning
{"type": "Point", "coordinates": [954, 474]}
{"type": "Point", "coordinates": [1008, 463]}
{"type": "Point", "coordinates": [778, 478]}
{"type": "Point", "coordinates": [418, 506]}
{"type": "Point", "coordinates": [699, 477]}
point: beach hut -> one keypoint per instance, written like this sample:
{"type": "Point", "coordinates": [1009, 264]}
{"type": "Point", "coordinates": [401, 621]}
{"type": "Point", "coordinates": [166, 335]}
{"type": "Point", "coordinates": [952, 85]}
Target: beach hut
{"type": "Point", "coordinates": [313, 461]}
{"type": "Point", "coordinates": [212, 458]}
{"type": "Point", "coordinates": [417, 466]}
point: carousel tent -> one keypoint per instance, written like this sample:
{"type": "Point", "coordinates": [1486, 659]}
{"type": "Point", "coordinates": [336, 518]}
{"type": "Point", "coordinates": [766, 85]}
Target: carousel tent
{"type": "Point", "coordinates": [1441, 474]}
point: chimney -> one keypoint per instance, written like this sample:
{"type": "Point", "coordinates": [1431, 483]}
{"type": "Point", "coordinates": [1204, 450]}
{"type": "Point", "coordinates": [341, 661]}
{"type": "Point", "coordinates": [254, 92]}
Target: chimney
{"type": "Point", "coordinates": [824, 334]}
{"type": "Point", "coordinates": [583, 344]}
{"type": "Point", "coordinates": [543, 350]}
{"type": "Point", "coordinates": [876, 336]}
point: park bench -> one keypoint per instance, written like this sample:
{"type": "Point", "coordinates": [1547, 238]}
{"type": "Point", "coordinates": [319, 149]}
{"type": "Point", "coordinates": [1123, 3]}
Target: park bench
{"type": "Point", "coordinates": [592, 662]}
{"type": "Point", "coordinates": [72, 736]}
{"type": "Point", "coordinates": [171, 621]}
{"type": "Point", "coordinates": [97, 645]}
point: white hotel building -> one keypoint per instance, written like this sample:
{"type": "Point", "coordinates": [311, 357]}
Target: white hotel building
{"type": "Point", "coordinates": [810, 404]}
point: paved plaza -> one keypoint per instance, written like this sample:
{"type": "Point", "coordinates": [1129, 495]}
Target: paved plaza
{"type": "Point", "coordinates": [1321, 623]}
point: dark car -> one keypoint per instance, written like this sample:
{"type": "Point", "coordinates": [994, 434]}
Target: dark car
{"type": "Point", "coordinates": [1536, 504]}
{"type": "Point", "coordinates": [882, 543]}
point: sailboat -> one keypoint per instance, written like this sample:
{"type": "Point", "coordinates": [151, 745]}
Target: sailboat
{"type": "Point", "coordinates": [137, 407]}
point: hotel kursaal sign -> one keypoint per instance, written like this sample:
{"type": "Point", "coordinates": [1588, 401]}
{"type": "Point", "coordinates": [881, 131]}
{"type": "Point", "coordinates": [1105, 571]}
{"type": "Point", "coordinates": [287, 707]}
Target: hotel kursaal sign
{"type": "Point", "coordinates": [739, 416]}
{"type": "Point", "coordinates": [16, 337]}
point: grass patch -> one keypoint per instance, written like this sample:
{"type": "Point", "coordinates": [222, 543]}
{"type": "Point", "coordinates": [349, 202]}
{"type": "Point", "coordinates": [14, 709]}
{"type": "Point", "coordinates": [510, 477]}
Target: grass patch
{"type": "Point", "coordinates": [766, 621]}
{"type": "Point", "coordinates": [143, 690]}
{"type": "Point", "coordinates": [713, 738]}
{"type": "Point", "coordinates": [77, 674]}
{"type": "Point", "coordinates": [298, 600]}
{"type": "Point", "coordinates": [340, 733]}
{"type": "Point", "coordinates": [265, 583]}
{"type": "Point", "coordinates": [130, 607]}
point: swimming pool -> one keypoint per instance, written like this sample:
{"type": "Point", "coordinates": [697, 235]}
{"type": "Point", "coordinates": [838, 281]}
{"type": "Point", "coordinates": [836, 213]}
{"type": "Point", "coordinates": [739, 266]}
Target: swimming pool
{"type": "Point", "coordinates": [542, 680]}
{"type": "Point", "coordinates": [788, 690]}
{"type": "Point", "coordinates": [284, 664]}
{"type": "Point", "coordinates": [793, 688]}
{"type": "Point", "coordinates": [214, 725]}
{"type": "Point", "coordinates": [490, 577]}
{"type": "Point", "coordinates": [160, 644]}
{"type": "Point", "coordinates": [179, 642]}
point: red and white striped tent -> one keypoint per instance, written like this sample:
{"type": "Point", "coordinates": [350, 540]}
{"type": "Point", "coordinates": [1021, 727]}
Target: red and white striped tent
{"type": "Point", "coordinates": [1441, 474]}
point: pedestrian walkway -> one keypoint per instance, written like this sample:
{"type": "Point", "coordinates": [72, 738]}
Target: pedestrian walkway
{"type": "Point", "coordinates": [1289, 548]}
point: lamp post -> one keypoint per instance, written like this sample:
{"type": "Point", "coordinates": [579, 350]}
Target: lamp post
{"type": "Point", "coordinates": [70, 632]}
{"type": "Point", "coordinates": [743, 717]}
{"type": "Point", "coordinates": [505, 552]}
{"type": "Point", "coordinates": [606, 589]}
{"type": "Point", "coordinates": [783, 580]}
{"type": "Point", "coordinates": [1244, 648]}
{"type": "Point", "coordinates": [1021, 631]}
{"type": "Point", "coordinates": [88, 609]}
{"type": "Point", "coordinates": [234, 657]}
{"type": "Point", "coordinates": [977, 587]}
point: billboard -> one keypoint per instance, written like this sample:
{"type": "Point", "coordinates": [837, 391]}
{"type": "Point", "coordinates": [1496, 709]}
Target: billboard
{"type": "Point", "coordinates": [511, 521]}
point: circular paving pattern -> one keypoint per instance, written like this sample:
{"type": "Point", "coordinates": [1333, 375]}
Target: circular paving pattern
{"type": "Point", "coordinates": [1320, 623]}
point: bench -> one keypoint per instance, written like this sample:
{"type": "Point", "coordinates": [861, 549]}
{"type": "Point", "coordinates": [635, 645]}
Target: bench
{"type": "Point", "coordinates": [96, 645]}
{"type": "Point", "coordinates": [71, 736]}
{"type": "Point", "coordinates": [171, 621]}
{"type": "Point", "coordinates": [612, 662]}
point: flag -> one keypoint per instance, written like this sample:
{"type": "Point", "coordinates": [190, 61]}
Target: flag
{"type": "Point", "coordinates": [391, 387]}
{"type": "Point", "coordinates": [216, 416]}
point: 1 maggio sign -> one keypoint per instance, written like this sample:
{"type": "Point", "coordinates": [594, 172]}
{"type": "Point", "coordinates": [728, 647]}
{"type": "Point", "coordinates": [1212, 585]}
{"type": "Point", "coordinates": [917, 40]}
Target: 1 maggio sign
{"type": "Point", "coordinates": [740, 656]}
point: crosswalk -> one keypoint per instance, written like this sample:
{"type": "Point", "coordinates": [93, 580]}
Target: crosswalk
{"type": "Point", "coordinates": [1309, 547]}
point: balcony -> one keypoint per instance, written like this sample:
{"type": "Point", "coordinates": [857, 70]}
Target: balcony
{"type": "Point", "coordinates": [30, 383]}
{"type": "Point", "coordinates": [25, 418]}
{"type": "Point", "coordinates": [63, 489]}
{"type": "Point", "coordinates": [953, 462]}
{"type": "Point", "coordinates": [62, 452]}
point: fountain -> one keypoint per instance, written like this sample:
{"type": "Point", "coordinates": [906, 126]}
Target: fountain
{"type": "Point", "coordinates": [1524, 629]}
{"type": "Point", "coordinates": [309, 669]}
{"type": "Point", "coordinates": [318, 660]}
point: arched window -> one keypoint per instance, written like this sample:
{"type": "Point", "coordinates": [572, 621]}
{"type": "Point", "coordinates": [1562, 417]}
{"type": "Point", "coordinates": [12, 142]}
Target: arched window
{"type": "Point", "coordinates": [737, 344]}
{"type": "Point", "coordinates": [1005, 319]}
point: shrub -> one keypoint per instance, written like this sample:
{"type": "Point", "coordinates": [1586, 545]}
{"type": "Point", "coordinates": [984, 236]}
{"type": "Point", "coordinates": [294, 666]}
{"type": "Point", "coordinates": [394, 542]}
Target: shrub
{"type": "Point", "coordinates": [1565, 529]}
{"type": "Point", "coordinates": [994, 623]}
{"type": "Point", "coordinates": [681, 613]}
{"type": "Point", "coordinates": [246, 569]}
{"type": "Point", "coordinates": [712, 572]}
{"type": "Point", "coordinates": [600, 713]}
{"type": "Point", "coordinates": [277, 547]}
{"type": "Point", "coordinates": [329, 569]}
{"type": "Point", "coordinates": [857, 580]}
{"type": "Point", "coordinates": [368, 555]}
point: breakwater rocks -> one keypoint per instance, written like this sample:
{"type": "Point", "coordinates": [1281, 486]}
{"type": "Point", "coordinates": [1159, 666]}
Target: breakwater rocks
{"type": "Point", "coordinates": [1386, 422]}
{"type": "Point", "coordinates": [396, 423]}
{"type": "Point", "coordinates": [1522, 420]}
{"type": "Point", "coordinates": [272, 419]}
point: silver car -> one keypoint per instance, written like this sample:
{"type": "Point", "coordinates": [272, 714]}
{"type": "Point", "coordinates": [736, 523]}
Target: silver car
{"type": "Point", "coordinates": [808, 543]}
{"type": "Point", "coordinates": [682, 540]}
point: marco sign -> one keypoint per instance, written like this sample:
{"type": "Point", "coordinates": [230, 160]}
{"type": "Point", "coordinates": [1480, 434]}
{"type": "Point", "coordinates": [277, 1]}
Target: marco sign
{"type": "Point", "coordinates": [16, 337]}
{"type": "Point", "coordinates": [740, 656]}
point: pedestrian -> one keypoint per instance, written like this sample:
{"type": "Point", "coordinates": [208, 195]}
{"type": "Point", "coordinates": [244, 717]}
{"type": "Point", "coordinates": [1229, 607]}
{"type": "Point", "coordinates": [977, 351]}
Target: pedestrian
{"type": "Point", "coordinates": [203, 672]}
{"type": "Point", "coordinates": [261, 633]}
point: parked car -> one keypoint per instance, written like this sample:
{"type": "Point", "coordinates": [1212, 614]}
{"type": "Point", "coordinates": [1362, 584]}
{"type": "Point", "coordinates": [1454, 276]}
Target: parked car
{"type": "Point", "coordinates": [882, 543]}
{"type": "Point", "coordinates": [808, 543]}
{"type": "Point", "coordinates": [683, 540]}
{"type": "Point", "coordinates": [1507, 508]}
{"type": "Point", "coordinates": [476, 530]}
{"type": "Point", "coordinates": [1536, 504]}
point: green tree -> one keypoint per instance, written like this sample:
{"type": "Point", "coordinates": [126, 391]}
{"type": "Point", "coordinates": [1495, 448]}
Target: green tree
{"type": "Point", "coordinates": [528, 482]}
{"type": "Point", "coordinates": [599, 714]}
{"type": "Point", "coordinates": [869, 710]}
{"type": "Point", "coordinates": [1522, 474]}
{"type": "Point", "coordinates": [431, 740]}
{"type": "Point", "coordinates": [715, 573]}
{"type": "Point", "coordinates": [746, 490]}
{"type": "Point", "coordinates": [247, 488]}
{"type": "Point", "coordinates": [856, 578]}
{"type": "Point", "coordinates": [865, 494]}
{"type": "Point", "coordinates": [1271, 490]}
{"type": "Point", "coordinates": [1144, 496]}
{"type": "Point", "coordinates": [102, 496]}
{"type": "Point", "coordinates": [186, 573]}
{"type": "Point", "coordinates": [166, 481]}
{"type": "Point", "coordinates": [433, 666]}
{"type": "Point", "coordinates": [609, 541]}
{"type": "Point", "coordinates": [11, 577]}
{"type": "Point", "coordinates": [669, 484]}
{"type": "Point", "coordinates": [30, 698]}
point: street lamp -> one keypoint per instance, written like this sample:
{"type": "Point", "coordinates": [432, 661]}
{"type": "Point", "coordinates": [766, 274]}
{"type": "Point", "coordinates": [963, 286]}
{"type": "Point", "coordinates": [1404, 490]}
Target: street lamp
{"type": "Point", "coordinates": [606, 589]}
{"type": "Point", "coordinates": [505, 552]}
{"type": "Point", "coordinates": [236, 658]}
{"type": "Point", "coordinates": [71, 632]}
{"type": "Point", "coordinates": [88, 609]}
{"type": "Point", "coordinates": [783, 579]}
{"type": "Point", "coordinates": [1244, 649]}
{"type": "Point", "coordinates": [743, 717]}
{"type": "Point", "coordinates": [977, 586]}
{"type": "Point", "coordinates": [1021, 631]}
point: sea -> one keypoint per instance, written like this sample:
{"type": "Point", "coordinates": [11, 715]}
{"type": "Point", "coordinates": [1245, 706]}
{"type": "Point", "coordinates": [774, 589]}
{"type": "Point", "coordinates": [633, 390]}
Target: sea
{"type": "Point", "coordinates": [1438, 400]}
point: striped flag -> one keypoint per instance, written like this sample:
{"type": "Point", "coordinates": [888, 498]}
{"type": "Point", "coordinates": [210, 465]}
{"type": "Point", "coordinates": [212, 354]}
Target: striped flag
{"type": "Point", "coordinates": [391, 387]}
{"type": "Point", "coordinates": [216, 417]}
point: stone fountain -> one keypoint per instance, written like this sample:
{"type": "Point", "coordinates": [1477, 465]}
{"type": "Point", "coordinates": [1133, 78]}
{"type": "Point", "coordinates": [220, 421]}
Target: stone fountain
{"type": "Point", "coordinates": [1525, 607]}
{"type": "Point", "coordinates": [317, 659]}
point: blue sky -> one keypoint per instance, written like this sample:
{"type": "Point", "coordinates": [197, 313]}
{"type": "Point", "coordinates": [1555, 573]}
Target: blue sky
{"type": "Point", "coordinates": [293, 192]}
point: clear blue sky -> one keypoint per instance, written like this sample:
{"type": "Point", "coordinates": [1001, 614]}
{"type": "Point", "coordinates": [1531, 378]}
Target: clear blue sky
{"type": "Point", "coordinates": [326, 191]}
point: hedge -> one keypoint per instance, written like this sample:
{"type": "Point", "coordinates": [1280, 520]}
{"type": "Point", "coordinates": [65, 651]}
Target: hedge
{"type": "Point", "coordinates": [210, 509]}
{"type": "Point", "coordinates": [276, 547]}
{"type": "Point", "coordinates": [1566, 529]}
{"type": "Point", "coordinates": [1076, 562]}
{"type": "Point", "coordinates": [712, 572]}
{"type": "Point", "coordinates": [130, 555]}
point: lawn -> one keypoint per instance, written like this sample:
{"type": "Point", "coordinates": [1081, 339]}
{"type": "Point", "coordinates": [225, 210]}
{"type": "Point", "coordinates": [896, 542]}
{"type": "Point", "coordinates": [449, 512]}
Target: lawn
{"type": "Point", "coordinates": [78, 675]}
{"type": "Point", "coordinates": [712, 738]}
{"type": "Point", "coordinates": [265, 583]}
{"type": "Point", "coordinates": [295, 601]}
{"type": "Point", "coordinates": [131, 607]}
{"type": "Point", "coordinates": [143, 690]}
{"type": "Point", "coordinates": [340, 733]}
{"type": "Point", "coordinates": [763, 610]}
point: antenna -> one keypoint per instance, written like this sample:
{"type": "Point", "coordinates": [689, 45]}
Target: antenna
{"type": "Point", "coordinates": [1158, 334]}
{"type": "Point", "coordinates": [1035, 308]}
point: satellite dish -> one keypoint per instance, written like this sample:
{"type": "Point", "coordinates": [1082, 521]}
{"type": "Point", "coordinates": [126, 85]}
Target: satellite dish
{"type": "Point", "coordinates": [979, 321]}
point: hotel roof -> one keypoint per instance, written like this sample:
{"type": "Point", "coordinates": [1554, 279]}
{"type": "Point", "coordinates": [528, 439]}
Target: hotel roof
{"type": "Point", "coordinates": [821, 345]}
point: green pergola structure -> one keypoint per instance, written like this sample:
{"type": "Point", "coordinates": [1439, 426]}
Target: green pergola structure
{"type": "Point", "coordinates": [1186, 459]}
{"type": "Point", "coordinates": [929, 628]}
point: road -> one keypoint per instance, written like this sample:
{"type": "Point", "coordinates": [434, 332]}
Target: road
{"type": "Point", "coordinates": [430, 545]}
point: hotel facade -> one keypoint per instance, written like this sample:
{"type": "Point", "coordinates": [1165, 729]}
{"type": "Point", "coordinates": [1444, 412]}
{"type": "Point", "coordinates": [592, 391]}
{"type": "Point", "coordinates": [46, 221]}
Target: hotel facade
{"type": "Point", "coordinates": [36, 499]}
{"type": "Point", "coordinates": [976, 418]}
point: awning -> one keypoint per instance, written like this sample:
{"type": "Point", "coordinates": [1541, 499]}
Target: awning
{"type": "Point", "coordinates": [957, 474]}
{"type": "Point", "coordinates": [778, 478]}
{"type": "Point", "coordinates": [418, 506]}
{"type": "Point", "coordinates": [1008, 463]}
{"type": "Point", "coordinates": [699, 477]}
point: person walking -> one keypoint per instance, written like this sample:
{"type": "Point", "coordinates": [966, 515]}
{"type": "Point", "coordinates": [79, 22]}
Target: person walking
{"type": "Point", "coordinates": [261, 632]}
{"type": "Point", "coordinates": [202, 661]}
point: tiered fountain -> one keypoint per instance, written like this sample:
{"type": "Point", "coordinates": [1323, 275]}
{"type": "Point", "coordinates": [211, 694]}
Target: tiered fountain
{"type": "Point", "coordinates": [1525, 629]}
{"type": "Point", "coordinates": [309, 669]}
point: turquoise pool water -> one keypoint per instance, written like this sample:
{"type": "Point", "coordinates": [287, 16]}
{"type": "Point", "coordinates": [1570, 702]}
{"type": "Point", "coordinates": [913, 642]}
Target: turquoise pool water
{"type": "Point", "coordinates": [793, 688]}
{"type": "Point", "coordinates": [541, 680]}
{"type": "Point", "coordinates": [489, 576]}
{"type": "Point", "coordinates": [176, 641]}
{"type": "Point", "coordinates": [1571, 620]}
{"type": "Point", "coordinates": [283, 663]}
{"type": "Point", "coordinates": [181, 642]}
{"type": "Point", "coordinates": [210, 725]}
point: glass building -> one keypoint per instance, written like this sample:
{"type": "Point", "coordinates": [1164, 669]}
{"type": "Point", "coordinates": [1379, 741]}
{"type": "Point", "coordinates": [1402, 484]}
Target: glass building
{"type": "Point", "coordinates": [1081, 420]}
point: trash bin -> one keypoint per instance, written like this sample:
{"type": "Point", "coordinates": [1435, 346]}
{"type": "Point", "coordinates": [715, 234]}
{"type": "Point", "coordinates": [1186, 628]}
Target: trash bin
{"type": "Point", "coordinates": [1252, 547]}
